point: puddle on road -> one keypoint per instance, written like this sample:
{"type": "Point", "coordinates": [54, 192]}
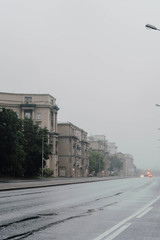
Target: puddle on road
{"type": "Point", "coordinates": [29, 233]}
{"type": "Point", "coordinates": [20, 221]}
{"type": "Point", "coordinates": [91, 210]}
{"type": "Point", "coordinates": [101, 208]}
{"type": "Point", "coordinates": [47, 214]}
{"type": "Point", "coordinates": [116, 194]}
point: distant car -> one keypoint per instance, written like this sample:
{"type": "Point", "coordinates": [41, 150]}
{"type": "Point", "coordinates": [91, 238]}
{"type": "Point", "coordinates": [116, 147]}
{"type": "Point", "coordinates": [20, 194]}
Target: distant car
{"type": "Point", "coordinates": [150, 175]}
{"type": "Point", "coordinates": [141, 175]}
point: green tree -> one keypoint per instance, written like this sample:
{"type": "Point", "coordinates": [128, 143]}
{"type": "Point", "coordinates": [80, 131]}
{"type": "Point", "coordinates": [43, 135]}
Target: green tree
{"type": "Point", "coordinates": [12, 154]}
{"type": "Point", "coordinates": [115, 164]}
{"type": "Point", "coordinates": [96, 162]}
{"type": "Point", "coordinates": [33, 147]}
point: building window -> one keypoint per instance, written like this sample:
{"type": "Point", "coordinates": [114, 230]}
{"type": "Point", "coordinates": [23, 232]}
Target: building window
{"type": "Point", "coordinates": [28, 114]}
{"type": "Point", "coordinates": [52, 121]}
{"type": "Point", "coordinates": [56, 146]}
{"type": "Point", "coordinates": [28, 99]}
{"type": "Point", "coordinates": [38, 116]}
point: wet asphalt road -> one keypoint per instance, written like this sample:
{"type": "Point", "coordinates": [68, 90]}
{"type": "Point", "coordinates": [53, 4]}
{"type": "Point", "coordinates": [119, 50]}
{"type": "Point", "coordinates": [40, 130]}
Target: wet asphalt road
{"type": "Point", "coordinates": [117, 209]}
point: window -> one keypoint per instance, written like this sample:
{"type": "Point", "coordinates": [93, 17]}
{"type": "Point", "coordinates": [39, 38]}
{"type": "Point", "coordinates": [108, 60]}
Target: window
{"type": "Point", "coordinates": [52, 121]}
{"type": "Point", "coordinates": [38, 116]}
{"type": "Point", "coordinates": [28, 99]}
{"type": "Point", "coordinates": [27, 114]}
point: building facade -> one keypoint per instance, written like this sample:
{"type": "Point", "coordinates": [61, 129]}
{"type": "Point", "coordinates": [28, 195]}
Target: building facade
{"type": "Point", "coordinates": [112, 148]}
{"type": "Point", "coordinates": [42, 109]}
{"type": "Point", "coordinates": [128, 168]}
{"type": "Point", "coordinates": [72, 151]}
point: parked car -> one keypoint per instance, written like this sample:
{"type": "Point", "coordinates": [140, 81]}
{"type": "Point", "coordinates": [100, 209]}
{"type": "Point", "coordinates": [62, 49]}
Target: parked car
{"type": "Point", "coordinates": [90, 175]}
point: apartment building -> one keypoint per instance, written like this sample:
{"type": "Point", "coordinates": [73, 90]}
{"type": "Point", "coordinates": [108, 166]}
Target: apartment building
{"type": "Point", "coordinates": [128, 168]}
{"type": "Point", "coordinates": [42, 109]}
{"type": "Point", "coordinates": [72, 151]}
{"type": "Point", "coordinates": [99, 144]}
{"type": "Point", "coordinates": [112, 148]}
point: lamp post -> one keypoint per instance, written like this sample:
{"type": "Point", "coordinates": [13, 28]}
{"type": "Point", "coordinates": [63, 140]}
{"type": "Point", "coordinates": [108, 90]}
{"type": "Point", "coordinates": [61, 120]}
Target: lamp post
{"type": "Point", "coordinates": [151, 27]}
{"type": "Point", "coordinates": [42, 153]}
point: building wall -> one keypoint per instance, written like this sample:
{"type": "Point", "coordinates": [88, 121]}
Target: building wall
{"type": "Point", "coordinates": [42, 109]}
{"type": "Point", "coordinates": [73, 151]}
{"type": "Point", "coordinates": [128, 168]}
{"type": "Point", "coordinates": [112, 148]}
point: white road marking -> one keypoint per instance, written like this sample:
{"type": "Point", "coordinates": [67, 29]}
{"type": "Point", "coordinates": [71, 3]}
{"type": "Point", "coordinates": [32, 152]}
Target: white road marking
{"type": "Point", "coordinates": [109, 231]}
{"type": "Point", "coordinates": [145, 212]}
{"type": "Point", "coordinates": [119, 231]}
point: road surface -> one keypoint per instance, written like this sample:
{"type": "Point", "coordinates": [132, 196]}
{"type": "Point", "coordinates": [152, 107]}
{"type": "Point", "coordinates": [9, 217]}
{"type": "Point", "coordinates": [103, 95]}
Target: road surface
{"type": "Point", "coordinates": [119, 209]}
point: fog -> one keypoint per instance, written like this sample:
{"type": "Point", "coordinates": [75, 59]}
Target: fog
{"type": "Point", "coordinates": [96, 58]}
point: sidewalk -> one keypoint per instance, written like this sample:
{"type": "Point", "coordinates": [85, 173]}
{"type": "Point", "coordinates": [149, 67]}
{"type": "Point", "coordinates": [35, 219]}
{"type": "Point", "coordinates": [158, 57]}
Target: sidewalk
{"type": "Point", "coordinates": [6, 185]}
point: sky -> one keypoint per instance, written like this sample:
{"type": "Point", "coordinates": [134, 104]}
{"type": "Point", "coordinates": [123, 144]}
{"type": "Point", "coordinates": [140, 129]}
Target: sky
{"type": "Point", "coordinates": [96, 58]}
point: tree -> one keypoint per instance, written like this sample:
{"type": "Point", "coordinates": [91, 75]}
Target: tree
{"type": "Point", "coordinates": [12, 154]}
{"type": "Point", "coordinates": [33, 147]}
{"type": "Point", "coordinates": [21, 145]}
{"type": "Point", "coordinates": [96, 162]}
{"type": "Point", "coordinates": [115, 164]}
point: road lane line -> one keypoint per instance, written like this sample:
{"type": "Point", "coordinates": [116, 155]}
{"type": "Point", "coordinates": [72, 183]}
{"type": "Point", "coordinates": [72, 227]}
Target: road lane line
{"type": "Point", "coordinates": [119, 224]}
{"type": "Point", "coordinates": [106, 233]}
{"type": "Point", "coordinates": [145, 212]}
{"type": "Point", "coordinates": [119, 231]}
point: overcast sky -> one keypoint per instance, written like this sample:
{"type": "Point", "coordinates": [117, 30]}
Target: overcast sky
{"type": "Point", "coordinates": [96, 58]}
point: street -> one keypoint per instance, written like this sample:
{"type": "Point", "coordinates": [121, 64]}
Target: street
{"type": "Point", "coordinates": [117, 209]}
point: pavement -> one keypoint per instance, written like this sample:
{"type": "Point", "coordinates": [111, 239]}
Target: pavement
{"type": "Point", "coordinates": [7, 184]}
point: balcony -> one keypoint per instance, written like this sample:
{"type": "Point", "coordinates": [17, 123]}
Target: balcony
{"type": "Point", "coordinates": [54, 133]}
{"type": "Point", "coordinates": [56, 107]}
{"type": "Point", "coordinates": [28, 105]}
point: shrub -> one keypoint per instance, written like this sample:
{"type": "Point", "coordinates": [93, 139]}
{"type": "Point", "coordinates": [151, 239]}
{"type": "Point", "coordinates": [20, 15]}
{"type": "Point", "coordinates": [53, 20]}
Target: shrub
{"type": "Point", "coordinates": [47, 172]}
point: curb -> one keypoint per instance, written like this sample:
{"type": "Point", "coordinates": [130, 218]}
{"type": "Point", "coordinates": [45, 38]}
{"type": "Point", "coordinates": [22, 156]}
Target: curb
{"type": "Point", "coordinates": [26, 185]}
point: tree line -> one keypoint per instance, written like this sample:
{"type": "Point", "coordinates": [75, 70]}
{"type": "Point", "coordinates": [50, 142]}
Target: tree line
{"type": "Point", "coordinates": [21, 145]}
{"type": "Point", "coordinates": [97, 165]}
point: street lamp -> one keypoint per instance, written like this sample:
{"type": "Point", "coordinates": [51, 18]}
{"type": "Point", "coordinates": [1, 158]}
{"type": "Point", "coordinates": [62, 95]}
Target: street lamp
{"type": "Point", "coordinates": [42, 153]}
{"type": "Point", "coordinates": [149, 26]}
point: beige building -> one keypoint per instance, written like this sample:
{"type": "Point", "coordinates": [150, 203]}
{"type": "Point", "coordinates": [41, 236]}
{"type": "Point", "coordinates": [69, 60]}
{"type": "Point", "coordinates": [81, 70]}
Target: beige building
{"type": "Point", "coordinates": [112, 148]}
{"type": "Point", "coordinates": [72, 151]}
{"type": "Point", "coordinates": [42, 109]}
{"type": "Point", "coordinates": [99, 144]}
{"type": "Point", "coordinates": [128, 168]}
